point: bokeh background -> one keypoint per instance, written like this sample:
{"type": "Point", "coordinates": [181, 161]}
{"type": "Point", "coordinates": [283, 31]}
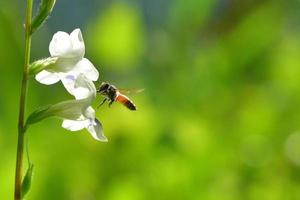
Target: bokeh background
{"type": "Point", "coordinates": [219, 117]}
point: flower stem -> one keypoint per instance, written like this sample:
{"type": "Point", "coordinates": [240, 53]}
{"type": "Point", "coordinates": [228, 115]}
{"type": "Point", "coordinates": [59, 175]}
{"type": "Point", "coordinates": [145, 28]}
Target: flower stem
{"type": "Point", "coordinates": [21, 125]}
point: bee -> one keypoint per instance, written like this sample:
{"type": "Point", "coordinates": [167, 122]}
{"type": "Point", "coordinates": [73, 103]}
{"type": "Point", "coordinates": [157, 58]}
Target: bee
{"type": "Point", "coordinates": [112, 94]}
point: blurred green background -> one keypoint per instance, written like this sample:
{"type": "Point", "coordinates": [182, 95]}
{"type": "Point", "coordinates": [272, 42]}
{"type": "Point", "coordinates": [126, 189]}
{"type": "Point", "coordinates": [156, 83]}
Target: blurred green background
{"type": "Point", "coordinates": [219, 117]}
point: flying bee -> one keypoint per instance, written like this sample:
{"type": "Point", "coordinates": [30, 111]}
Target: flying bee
{"type": "Point", "coordinates": [112, 94]}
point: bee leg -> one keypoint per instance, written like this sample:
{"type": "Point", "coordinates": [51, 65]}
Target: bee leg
{"type": "Point", "coordinates": [109, 104]}
{"type": "Point", "coordinates": [104, 100]}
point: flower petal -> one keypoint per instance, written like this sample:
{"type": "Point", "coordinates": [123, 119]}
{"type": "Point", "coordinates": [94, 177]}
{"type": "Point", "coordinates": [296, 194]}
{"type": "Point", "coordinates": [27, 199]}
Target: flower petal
{"type": "Point", "coordinates": [85, 67]}
{"type": "Point", "coordinates": [96, 130]}
{"type": "Point", "coordinates": [89, 112]}
{"type": "Point", "coordinates": [68, 80]}
{"type": "Point", "coordinates": [78, 85]}
{"type": "Point", "coordinates": [77, 43]}
{"type": "Point", "coordinates": [61, 45]}
{"type": "Point", "coordinates": [46, 77]}
{"type": "Point", "coordinates": [64, 64]}
{"type": "Point", "coordinates": [82, 82]}
{"type": "Point", "coordinates": [72, 125]}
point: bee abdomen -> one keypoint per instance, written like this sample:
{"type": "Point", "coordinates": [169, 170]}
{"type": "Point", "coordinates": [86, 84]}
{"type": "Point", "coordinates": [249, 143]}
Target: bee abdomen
{"type": "Point", "coordinates": [126, 102]}
{"type": "Point", "coordinates": [130, 105]}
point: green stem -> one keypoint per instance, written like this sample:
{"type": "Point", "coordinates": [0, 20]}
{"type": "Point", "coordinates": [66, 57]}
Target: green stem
{"type": "Point", "coordinates": [24, 86]}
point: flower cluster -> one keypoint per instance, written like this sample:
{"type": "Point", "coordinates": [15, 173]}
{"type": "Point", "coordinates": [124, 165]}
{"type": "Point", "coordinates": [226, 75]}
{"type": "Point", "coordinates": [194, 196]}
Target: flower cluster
{"type": "Point", "coordinates": [77, 75]}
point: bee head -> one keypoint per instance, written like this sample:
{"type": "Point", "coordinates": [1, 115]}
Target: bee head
{"type": "Point", "coordinates": [103, 87]}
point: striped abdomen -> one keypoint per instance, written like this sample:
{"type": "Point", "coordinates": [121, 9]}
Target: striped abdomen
{"type": "Point", "coordinates": [125, 101]}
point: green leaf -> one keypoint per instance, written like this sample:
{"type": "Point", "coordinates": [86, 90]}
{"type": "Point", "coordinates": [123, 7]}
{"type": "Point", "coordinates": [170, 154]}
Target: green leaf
{"type": "Point", "coordinates": [26, 184]}
{"type": "Point", "coordinates": [45, 10]}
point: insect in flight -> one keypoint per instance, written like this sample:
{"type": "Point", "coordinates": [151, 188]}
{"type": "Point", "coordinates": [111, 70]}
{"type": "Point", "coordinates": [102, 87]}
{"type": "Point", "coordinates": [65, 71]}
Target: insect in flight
{"type": "Point", "coordinates": [112, 94]}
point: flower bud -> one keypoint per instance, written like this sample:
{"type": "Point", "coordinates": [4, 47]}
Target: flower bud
{"type": "Point", "coordinates": [26, 184]}
{"type": "Point", "coordinates": [42, 64]}
{"type": "Point", "coordinates": [45, 10]}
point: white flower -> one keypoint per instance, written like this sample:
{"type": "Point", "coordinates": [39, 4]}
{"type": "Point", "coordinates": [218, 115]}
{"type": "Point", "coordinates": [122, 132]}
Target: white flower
{"type": "Point", "coordinates": [69, 50]}
{"type": "Point", "coordinates": [77, 75]}
{"type": "Point", "coordinates": [76, 114]}
{"type": "Point", "coordinates": [86, 120]}
{"type": "Point", "coordinates": [85, 92]}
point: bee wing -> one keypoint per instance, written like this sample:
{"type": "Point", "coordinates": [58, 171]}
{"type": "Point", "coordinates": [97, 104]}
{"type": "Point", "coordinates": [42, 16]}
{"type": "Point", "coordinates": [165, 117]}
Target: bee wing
{"type": "Point", "coordinates": [131, 91]}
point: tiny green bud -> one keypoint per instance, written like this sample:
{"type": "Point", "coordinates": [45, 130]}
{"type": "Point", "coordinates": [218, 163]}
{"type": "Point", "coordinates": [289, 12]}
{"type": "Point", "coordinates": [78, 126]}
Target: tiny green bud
{"type": "Point", "coordinates": [42, 64]}
{"type": "Point", "coordinates": [45, 10]}
{"type": "Point", "coordinates": [26, 184]}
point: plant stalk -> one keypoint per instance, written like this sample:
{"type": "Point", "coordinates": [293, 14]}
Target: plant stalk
{"type": "Point", "coordinates": [24, 86]}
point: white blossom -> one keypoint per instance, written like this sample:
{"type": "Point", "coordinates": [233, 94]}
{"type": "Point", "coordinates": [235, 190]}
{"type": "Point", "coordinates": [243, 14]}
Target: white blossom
{"type": "Point", "coordinates": [69, 49]}
{"type": "Point", "coordinates": [79, 114]}
{"type": "Point", "coordinates": [77, 75]}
